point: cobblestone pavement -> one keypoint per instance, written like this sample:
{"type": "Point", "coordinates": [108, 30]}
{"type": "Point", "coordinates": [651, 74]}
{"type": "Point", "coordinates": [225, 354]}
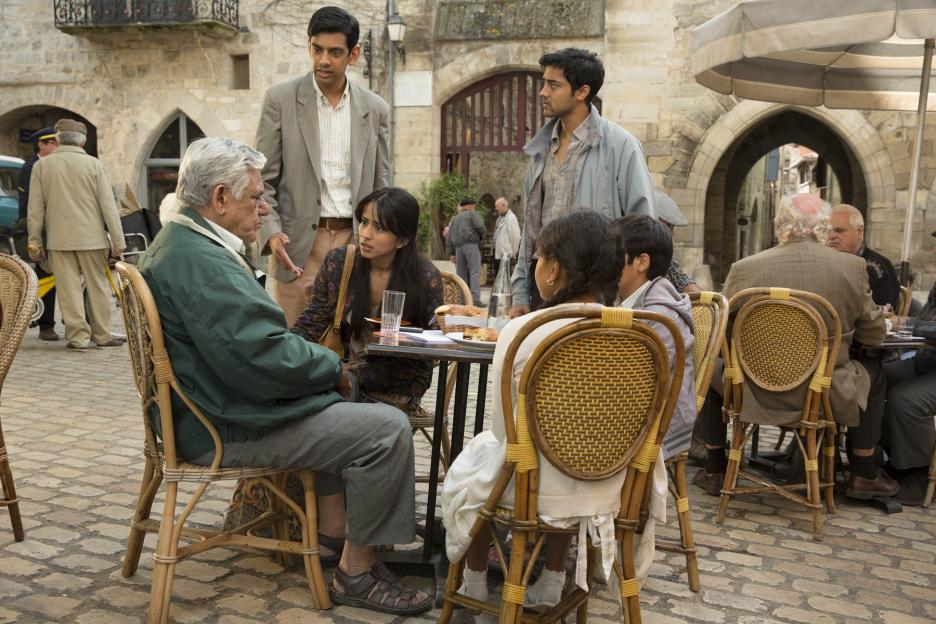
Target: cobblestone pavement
{"type": "Point", "coordinates": [73, 429]}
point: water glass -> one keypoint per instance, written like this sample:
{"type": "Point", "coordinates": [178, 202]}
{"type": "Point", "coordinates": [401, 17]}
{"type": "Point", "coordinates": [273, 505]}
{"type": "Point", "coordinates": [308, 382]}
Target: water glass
{"type": "Point", "coordinates": [904, 326]}
{"type": "Point", "coordinates": [391, 312]}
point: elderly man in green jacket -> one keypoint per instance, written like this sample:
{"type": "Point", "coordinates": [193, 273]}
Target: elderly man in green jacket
{"type": "Point", "coordinates": [274, 397]}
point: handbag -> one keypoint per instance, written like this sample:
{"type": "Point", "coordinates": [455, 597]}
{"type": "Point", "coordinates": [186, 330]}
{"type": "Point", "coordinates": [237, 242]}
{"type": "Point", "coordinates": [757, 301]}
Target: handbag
{"type": "Point", "coordinates": [331, 337]}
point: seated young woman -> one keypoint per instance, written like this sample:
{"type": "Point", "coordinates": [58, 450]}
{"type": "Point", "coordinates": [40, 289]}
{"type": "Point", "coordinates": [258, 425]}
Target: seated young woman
{"type": "Point", "coordinates": [580, 261]}
{"type": "Point", "coordinates": [386, 258]}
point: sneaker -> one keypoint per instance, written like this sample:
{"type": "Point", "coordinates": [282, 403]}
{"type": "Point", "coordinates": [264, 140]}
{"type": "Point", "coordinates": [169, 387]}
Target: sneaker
{"type": "Point", "coordinates": [113, 342]}
{"type": "Point", "coordinates": [48, 333]}
{"type": "Point", "coordinates": [881, 486]}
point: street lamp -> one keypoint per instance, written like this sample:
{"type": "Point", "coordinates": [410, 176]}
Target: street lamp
{"type": "Point", "coordinates": [396, 29]}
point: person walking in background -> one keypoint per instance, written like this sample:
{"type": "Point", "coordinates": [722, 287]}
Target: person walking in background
{"type": "Point", "coordinates": [464, 246]}
{"type": "Point", "coordinates": [45, 143]}
{"type": "Point", "coordinates": [578, 159]}
{"type": "Point", "coordinates": [70, 205]}
{"type": "Point", "coordinates": [506, 231]}
{"type": "Point", "coordinates": [325, 139]}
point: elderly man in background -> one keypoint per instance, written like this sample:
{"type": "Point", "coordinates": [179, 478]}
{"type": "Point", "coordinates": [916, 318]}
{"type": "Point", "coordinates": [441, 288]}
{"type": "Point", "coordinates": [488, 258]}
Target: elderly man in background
{"type": "Point", "coordinates": [506, 231]}
{"type": "Point", "coordinates": [274, 396]}
{"type": "Point", "coordinates": [466, 231]}
{"type": "Point", "coordinates": [802, 261]}
{"type": "Point", "coordinates": [70, 205]}
{"type": "Point", "coordinates": [846, 233]}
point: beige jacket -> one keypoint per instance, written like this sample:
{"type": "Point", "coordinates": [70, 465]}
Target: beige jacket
{"type": "Point", "coordinates": [288, 137]}
{"type": "Point", "coordinates": [71, 203]}
{"type": "Point", "coordinates": [842, 280]}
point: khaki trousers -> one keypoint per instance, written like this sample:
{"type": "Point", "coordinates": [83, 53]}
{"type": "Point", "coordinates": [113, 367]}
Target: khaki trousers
{"type": "Point", "coordinates": [69, 268]}
{"type": "Point", "coordinates": [294, 296]}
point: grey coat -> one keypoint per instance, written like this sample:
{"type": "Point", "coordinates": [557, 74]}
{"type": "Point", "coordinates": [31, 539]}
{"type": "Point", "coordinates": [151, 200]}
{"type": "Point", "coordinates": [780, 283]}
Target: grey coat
{"type": "Point", "coordinates": [288, 136]}
{"type": "Point", "coordinates": [611, 178]}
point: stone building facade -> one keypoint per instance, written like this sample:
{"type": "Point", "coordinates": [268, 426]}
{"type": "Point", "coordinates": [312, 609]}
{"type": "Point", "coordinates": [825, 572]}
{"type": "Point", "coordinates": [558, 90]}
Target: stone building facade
{"type": "Point", "coordinates": [132, 83]}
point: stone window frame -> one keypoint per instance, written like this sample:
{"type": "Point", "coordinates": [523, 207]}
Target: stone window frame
{"type": "Point", "coordinates": [179, 120]}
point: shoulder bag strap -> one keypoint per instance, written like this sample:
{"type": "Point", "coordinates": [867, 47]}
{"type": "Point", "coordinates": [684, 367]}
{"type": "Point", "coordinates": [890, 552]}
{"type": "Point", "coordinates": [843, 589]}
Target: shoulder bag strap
{"type": "Point", "coordinates": [343, 288]}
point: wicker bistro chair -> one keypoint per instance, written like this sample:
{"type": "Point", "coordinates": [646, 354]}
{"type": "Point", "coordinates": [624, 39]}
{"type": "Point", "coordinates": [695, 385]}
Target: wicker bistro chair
{"type": "Point", "coordinates": [588, 431]}
{"type": "Point", "coordinates": [156, 382]}
{"type": "Point", "coordinates": [17, 299]}
{"type": "Point", "coordinates": [709, 319]}
{"type": "Point", "coordinates": [780, 340]}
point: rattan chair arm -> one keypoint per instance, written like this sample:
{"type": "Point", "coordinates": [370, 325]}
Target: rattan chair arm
{"type": "Point", "coordinates": [20, 296]}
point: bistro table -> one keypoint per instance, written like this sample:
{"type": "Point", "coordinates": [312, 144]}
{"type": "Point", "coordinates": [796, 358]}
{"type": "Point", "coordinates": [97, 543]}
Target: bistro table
{"type": "Point", "coordinates": [415, 347]}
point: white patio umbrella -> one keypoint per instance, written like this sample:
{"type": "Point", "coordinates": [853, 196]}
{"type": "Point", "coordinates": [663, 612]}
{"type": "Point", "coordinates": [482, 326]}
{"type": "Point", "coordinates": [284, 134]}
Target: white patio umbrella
{"type": "Point", "coordinates": [857, 54]}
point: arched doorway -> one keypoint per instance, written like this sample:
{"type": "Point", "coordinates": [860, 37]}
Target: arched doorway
{"type": "Point", "coordinates": [17, 125]}
{"type": "Point", "coordinates": [161, 167]}
{"type": "Point", "coordinates": [737, 219]}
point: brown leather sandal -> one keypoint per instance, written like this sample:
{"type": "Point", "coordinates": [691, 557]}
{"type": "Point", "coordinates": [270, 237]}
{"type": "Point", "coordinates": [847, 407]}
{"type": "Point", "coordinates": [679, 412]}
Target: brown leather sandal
{"type": "Point", "coordinates": [378, 589]}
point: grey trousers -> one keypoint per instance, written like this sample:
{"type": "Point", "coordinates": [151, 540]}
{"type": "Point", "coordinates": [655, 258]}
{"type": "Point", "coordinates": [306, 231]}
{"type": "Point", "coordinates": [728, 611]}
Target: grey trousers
{"type": "Point", "coordinates": [468, 267]}
{"type": "Point", "coordinates": [909, 432]}
{"type": "Point", "coordinates": [364, 448]}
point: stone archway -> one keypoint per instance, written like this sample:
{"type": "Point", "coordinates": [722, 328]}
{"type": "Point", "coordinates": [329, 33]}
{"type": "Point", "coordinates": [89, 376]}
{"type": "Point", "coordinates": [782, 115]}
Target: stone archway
{"type": "Point", "coordinates": [735, 119]}
{"type": "Point", "coordinates": [17, 124]}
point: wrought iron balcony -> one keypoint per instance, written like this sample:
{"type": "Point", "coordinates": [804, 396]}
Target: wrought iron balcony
{"type": "Point", "coordinates": [82, 16]}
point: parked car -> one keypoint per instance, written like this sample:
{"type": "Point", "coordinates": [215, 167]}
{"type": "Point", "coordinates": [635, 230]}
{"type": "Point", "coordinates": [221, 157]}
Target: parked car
{"type": "Point", "coordinates": [9, 194]}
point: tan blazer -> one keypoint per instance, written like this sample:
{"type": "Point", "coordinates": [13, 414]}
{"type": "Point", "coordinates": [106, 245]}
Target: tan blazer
{"type": "Point", "coordinates": [842, 279]}
{"type": "Point", "coordinates": [71, 202]}
{"type": "Point", "coordinates": [288, 137]}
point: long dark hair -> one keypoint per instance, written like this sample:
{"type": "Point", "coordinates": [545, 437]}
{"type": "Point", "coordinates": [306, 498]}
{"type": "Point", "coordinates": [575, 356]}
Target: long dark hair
{"type": "Point", "coordinates": [588, 247]}
{"type": "Point", "coordinates": [398, 212]}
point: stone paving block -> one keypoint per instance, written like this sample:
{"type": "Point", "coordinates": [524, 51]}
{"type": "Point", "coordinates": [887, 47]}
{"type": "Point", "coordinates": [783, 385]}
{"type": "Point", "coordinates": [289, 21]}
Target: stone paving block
{"type": "Point", "coordinates": [7, 616]}
{"type": "Point", "coordinates": [59, 608]}
{"type": "Point", "coordinates": [106, 617]}
{"type": "Point", "coordinates": [64, 582]}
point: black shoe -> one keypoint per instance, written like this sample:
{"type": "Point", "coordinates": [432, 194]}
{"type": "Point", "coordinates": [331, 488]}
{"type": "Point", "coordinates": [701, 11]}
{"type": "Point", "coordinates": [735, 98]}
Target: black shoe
{"type": "Point", "coordinates": [711, 482]}
{"type": "Point", "coordinates": [913, 487]}
{"type": "Point", "coordinates": [881, 486]}
{"type": "Point", "coordinates": [48, 333]}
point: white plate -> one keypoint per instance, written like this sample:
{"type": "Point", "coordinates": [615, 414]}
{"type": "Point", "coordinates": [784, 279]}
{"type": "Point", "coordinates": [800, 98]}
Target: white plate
{"type": "Point", "coordinates": [474, 345]}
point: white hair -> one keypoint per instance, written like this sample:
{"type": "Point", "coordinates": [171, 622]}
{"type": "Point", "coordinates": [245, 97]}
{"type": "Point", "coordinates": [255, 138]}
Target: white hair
{"type": "Point", "coordinates": [213, 161]}
{"type": "Point", "coordinates": [802, 216]}
{"type": "Point", "coordinates": [69, 137]}
{"type": "Point", "coordinates": [855, 218]}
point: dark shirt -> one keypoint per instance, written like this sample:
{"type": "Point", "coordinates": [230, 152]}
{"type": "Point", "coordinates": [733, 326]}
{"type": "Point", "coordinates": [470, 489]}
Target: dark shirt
{"type": "Point", "coordinates": [24, 175]}
{"type": "Point", "coordinates": [885, 287]}
{"type": "Point", "coordinates": [381, 374]}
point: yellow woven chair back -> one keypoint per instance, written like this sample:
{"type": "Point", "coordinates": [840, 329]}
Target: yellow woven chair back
{"type": "Point", "coordinates": [593, 390]}
{"type": "Point", "coordinates": [454, 290]}
{"type": "Point", "coordinates": [709, 320]}
{"type": "Point", "coordinates": [17, 303]}
{"type": "Point", "coordinates": [152, 369]}
{"type": "Point", "coordinates": [781, 337]}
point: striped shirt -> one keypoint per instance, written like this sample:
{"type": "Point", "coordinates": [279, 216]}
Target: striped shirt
{"type": "Point", "coordinates": [335, 149]}
{"type": "Point", "coordinates": [559, 178]}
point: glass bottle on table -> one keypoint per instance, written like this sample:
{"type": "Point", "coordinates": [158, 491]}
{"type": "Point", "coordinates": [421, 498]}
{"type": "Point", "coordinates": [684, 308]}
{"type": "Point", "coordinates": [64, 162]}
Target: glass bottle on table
{"type": "Point", "coordinates": [500, 299]}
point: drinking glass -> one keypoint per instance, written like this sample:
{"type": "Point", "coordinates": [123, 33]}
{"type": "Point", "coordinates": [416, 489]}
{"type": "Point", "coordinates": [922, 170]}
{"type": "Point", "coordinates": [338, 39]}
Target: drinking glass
{"type": "Point", "coordinates": [391, 313]}
{"type": "Point", "coordinates": [498, 310]}
{"type": "Point", "coordinates": [904, 326]}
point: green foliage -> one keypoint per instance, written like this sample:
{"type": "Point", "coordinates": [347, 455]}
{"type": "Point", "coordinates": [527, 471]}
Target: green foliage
{"type": "Point", "coordinates": [438, 201]}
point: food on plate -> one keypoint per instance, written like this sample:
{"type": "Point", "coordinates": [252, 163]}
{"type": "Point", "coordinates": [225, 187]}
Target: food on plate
{"type": "Point", "coordinates": [461, 310]}
{"type": "Point", "coordinates": [481, 334]}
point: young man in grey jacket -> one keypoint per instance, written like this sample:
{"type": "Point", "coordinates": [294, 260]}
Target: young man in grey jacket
{"type": "Point", "coordinates": [579, 159]}
{"type": "Point", "coordinates": [643, 286]}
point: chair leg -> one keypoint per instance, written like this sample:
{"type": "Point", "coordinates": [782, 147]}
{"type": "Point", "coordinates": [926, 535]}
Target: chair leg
{"type": "Point", "coordinates": [9, 492]}
{"type": "Point", "coordinates": [451, 587]}
{"type": "Point", "coordinates": [685, 524]}
{"type": "Point", "coordinates": [313, 562]}
{"type": "Point", "coordinates": [812, 482]}
{"type": "Point", "coordinates": [931, 486]}
{"type": "Point", "coordinates": [280, 527]}
{"type": "Point", "coordinates": [738, 430]}
{"type": "Point", "coordinates": [163, 566]}
{"type": "Point", "coordinates": [828, 467]}
{"type": "Point", "coordinates": [630, 593]}
{"type": "Point", "coordinates": [152, 477]}
{"type": "Point", "coordinates": [511, 611]}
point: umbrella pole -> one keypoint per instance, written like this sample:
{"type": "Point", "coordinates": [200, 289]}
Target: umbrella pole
{"type": "Point", "coordinates": [915, 167]}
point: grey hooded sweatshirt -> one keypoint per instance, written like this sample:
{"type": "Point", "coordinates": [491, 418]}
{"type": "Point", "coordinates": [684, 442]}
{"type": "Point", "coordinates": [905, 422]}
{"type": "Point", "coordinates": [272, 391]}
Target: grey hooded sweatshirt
{"type": "Point", "coordinates": [661, 297]}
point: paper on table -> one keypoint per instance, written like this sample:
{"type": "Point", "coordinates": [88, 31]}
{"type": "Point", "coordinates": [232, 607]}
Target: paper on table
{"type": "Point", "coordinates": [431, 336]}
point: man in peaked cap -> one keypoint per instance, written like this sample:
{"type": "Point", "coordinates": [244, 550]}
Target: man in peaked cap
{"type": "Point", "coordinates": [466, 231]}
{"type": "Point", "coordinates": [70, 205]}
{"type": "Point", "coordinates": [44, 142]}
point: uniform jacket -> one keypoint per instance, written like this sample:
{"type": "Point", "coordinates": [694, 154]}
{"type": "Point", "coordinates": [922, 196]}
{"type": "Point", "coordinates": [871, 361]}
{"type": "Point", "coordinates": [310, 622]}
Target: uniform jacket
{"type": "Point", "coordinates": [842, 279]}
{"type": "Point", "coordinates": [24, 175]}
{"type": "Point", "coordinates": [611, 178]}
{"type": "Point", "coordinates": [381, 374]}
{"type": "Point", "coordinates": [288, 136]}
{"type": "Point", "coordinates": [71, 203]}
{"type": "Point", "coordinates": [229, 345]}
